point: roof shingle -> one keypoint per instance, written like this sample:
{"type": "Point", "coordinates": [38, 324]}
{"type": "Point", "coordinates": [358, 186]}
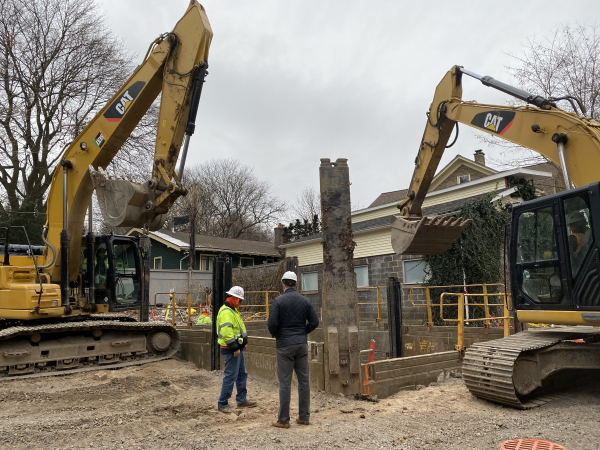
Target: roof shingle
{"type": "Point", "coordinates": [214, 243]}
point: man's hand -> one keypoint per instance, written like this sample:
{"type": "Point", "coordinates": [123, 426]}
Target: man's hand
{"type": "Point", "coordinates": [245, 347]}
{"type": "Point", "coordinates": [236, 353]}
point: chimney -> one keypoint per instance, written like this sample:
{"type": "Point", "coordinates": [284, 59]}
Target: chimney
{"type": "Point", "coordinates": [479, 157]}
{"type": "Point", "coordinates": [279, 235]}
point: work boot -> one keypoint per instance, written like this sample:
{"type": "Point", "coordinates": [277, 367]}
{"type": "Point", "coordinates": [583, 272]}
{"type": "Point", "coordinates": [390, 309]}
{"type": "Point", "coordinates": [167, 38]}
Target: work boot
{"type": "Point", "coordinates": [226, 410]}
{"type": "Point", "coordinates": [247, 404]}
{"type": "Point", "coordinates": [302, 422]}
{"type": "Point", "coordinates": [280, 425]}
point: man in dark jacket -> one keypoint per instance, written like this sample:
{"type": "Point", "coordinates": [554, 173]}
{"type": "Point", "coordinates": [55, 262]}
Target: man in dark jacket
{"type": "Point", "coordinates": [291, 319]}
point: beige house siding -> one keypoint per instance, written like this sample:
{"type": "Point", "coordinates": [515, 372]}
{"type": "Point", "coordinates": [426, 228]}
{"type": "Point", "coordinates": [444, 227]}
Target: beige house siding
{"type": "Point", "coordinates": [372, 243]}
{"type": "Point", "coordinates": [387, 211]}
{"type": "Point", "coordinates": [431, 200]}
{"type": "Point", "coordinates": [452, 179]}
{"type": "Point", "coordinates": [457, 194]}
{"type": "Point", "coordinates": [309, 253]}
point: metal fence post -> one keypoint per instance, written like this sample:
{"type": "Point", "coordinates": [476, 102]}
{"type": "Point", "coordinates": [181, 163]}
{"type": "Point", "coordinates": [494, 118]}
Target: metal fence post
{"type": "Point", "coordinates": [506, 317]}
{"type": "Point", "coordinates": [394, 305]}
{"type": "Point", "coordinates": [267, 303]}
{"type": "Point", "coordinates": [486, 308]}
{"type": "Point", "coordinates": [429, 314]}
{"type": "Point", "coordinates": [378, 305]}
{"type": "Point", "coordinates": [461, 323]}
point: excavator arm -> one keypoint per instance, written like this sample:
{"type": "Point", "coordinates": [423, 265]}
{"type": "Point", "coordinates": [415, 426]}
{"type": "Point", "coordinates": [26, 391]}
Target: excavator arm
{"type": "Point", "coordinates": [569, 140]}
{"type": "Point", "coordinates": [175, 66]}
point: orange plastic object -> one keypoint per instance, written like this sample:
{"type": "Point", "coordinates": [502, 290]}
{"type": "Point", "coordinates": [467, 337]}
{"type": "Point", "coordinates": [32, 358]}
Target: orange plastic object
{"type": "Point", "coordinates": [529, 444]}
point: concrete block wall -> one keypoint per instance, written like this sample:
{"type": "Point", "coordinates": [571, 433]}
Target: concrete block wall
{"type": "Point", "coordinates": [427, 355]}
{"type": "Point", "coordinates": [195, 346]}
{"type": "Point", "coordinates": [390, 376]}
{"type": "Point", "coordinates": [380, 268]}
{"type": "Point", "coordinates": [417, 340]}
{"type": "Point", "coordinates": [261, 361]}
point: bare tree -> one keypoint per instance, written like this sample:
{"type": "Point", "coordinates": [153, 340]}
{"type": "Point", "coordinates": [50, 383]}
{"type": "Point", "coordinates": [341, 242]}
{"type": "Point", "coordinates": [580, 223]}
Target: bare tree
{"type": "Point", "coordinates": [59, 64]}
{"type": "Point", "coordinates": [307, 205]}
{"type": "Point", "coordinates": [565, 63]}
{"type": "Point", "coordinates": [230, 200]}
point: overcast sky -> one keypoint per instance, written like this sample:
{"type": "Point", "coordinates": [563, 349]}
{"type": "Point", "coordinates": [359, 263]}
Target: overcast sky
{"type": "Point", "coordinates": [295, 81]}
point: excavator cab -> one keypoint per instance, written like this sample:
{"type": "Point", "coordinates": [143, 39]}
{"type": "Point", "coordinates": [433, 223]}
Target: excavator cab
{"type": "Point", "coordinates": [115, 279]}
{"type": "Point", "coordinates": [555, 256]}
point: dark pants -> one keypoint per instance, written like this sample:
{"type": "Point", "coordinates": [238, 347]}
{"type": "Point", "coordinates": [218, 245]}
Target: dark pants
{"type": "Point", "coordinates": [235, 373]}
{"type": "Point", "coordinates": [293, 358]}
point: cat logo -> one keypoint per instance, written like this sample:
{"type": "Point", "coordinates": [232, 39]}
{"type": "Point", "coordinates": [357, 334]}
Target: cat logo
{"type": "Point", "coordinates": [119, 107]}
{"type": "Point", "coordinates": [497, 122]}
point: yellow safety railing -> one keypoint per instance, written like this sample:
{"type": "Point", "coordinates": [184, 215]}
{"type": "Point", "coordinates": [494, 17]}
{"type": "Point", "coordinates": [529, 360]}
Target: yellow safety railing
{"type": "Point", "coordinates": [378, 303]}
{"type": "Point", "coordinates": [460, 320]}
{"type": "Point", "coordinates": [252, 315]}
{"type": "Point", "coordinates": [485, 294]}
{"type": "Point", "coordinates": [173, 308]}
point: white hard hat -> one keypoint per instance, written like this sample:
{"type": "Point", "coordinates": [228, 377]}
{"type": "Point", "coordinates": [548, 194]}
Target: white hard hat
{"type": "Point", "coordinates": [289, 275]}
{"type": "Point", "coordinates": [236, 291]}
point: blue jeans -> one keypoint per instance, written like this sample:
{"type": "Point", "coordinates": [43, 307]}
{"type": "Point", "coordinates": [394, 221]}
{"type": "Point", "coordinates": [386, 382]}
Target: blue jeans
{"type": "Point", "coordinates": [235, 373]}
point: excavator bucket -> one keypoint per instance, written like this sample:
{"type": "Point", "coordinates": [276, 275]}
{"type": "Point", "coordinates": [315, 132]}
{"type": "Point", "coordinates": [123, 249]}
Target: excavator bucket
{"type": "Point", "coordinates": [123, 202]}
{"type": "Point", "coordinates": [427, 236]}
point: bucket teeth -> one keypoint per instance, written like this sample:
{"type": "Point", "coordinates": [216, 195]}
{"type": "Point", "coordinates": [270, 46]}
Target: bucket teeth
{"type": "Point", "coordinates": [427, 236]}
{"type": "Point", "coordinates": [123, 202]}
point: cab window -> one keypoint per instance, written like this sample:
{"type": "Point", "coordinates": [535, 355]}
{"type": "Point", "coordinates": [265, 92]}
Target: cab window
{"type": "Point", "coordinates": [538, 268]}
{"type": "Point", "coordinates": [126, 278]}
{"type": "Point", "coordinates": [579, 230]}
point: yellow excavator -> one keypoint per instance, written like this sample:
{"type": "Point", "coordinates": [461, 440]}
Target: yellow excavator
{"type": "Point", "coordinates": [554, 249]}
{"type": "Point", "coordinates": [56, 300]}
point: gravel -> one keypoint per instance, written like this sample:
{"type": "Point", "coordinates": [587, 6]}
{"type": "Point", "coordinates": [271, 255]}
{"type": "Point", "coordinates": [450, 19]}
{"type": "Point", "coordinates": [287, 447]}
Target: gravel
{"type": "Point", "coordinates": [171, 405]}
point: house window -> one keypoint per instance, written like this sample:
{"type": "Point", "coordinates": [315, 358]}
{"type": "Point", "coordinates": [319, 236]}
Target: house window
{"type": "Point", "coordinates": [464, 178]}
{"type": "Point", "coordinates": [206, 262]}
{"type": "Point", "coordinates": [246, 262]}
{"type": "Point", "coordinates": [362, 276]}
{"type": "Point", "coordinates": [270, 260]}
{"type": "Point", "coordinates": [415, 271]}
{"type": "Point", "coordinates": [158, 262]}
{"type": "Point", "coordinates": [310, 281]}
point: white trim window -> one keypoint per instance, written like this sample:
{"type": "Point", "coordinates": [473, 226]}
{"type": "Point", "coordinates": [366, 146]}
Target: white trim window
{"type": "Point", "coordinates": [362, 276]}
{"type": "Point", "coordinates": [158, 262]}
{"type": "Point", "coordinates": [415, 271]}
{"type": "Point", "coordinates": [464, 178]}
{"type": "Point", "coordinates": [310, 281]}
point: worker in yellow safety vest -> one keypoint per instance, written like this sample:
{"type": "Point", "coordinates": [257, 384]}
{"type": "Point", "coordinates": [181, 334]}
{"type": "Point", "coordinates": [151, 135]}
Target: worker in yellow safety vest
{"type": "Point", "coordinates": [204, 319]}
{"type": "Point", "coordinates": [233, 341]}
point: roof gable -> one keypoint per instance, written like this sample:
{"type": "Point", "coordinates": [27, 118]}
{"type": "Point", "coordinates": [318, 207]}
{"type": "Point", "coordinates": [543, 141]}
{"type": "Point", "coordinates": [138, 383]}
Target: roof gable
{"type": "Point", "coordinates": [453, 165]}
{"type": "Point", "coordinates": [389, 197]}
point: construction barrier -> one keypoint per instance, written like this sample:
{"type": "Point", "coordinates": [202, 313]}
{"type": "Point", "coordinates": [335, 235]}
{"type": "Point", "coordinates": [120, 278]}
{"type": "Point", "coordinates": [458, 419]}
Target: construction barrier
{"type": "Point", "coordinates": [263, 313]}
{"type": "Point", "coordinates": [463, 304]}
{"type": "Point", "coordinates": [173, 308]}
{"type": "Point", "coordinates": [378, 301]}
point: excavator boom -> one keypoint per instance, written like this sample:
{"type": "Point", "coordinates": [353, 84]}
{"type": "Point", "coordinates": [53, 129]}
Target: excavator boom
{"type": "Point", "coordinates": [174, 67]}
{"type": "Point", "coordinates": [49, 296]}
{"type": "Point", "coordinates": [543, 127]}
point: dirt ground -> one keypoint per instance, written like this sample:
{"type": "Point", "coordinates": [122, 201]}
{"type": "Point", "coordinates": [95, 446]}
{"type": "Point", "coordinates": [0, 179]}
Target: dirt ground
{"type": "Point", "coordinates": [171, 404]}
